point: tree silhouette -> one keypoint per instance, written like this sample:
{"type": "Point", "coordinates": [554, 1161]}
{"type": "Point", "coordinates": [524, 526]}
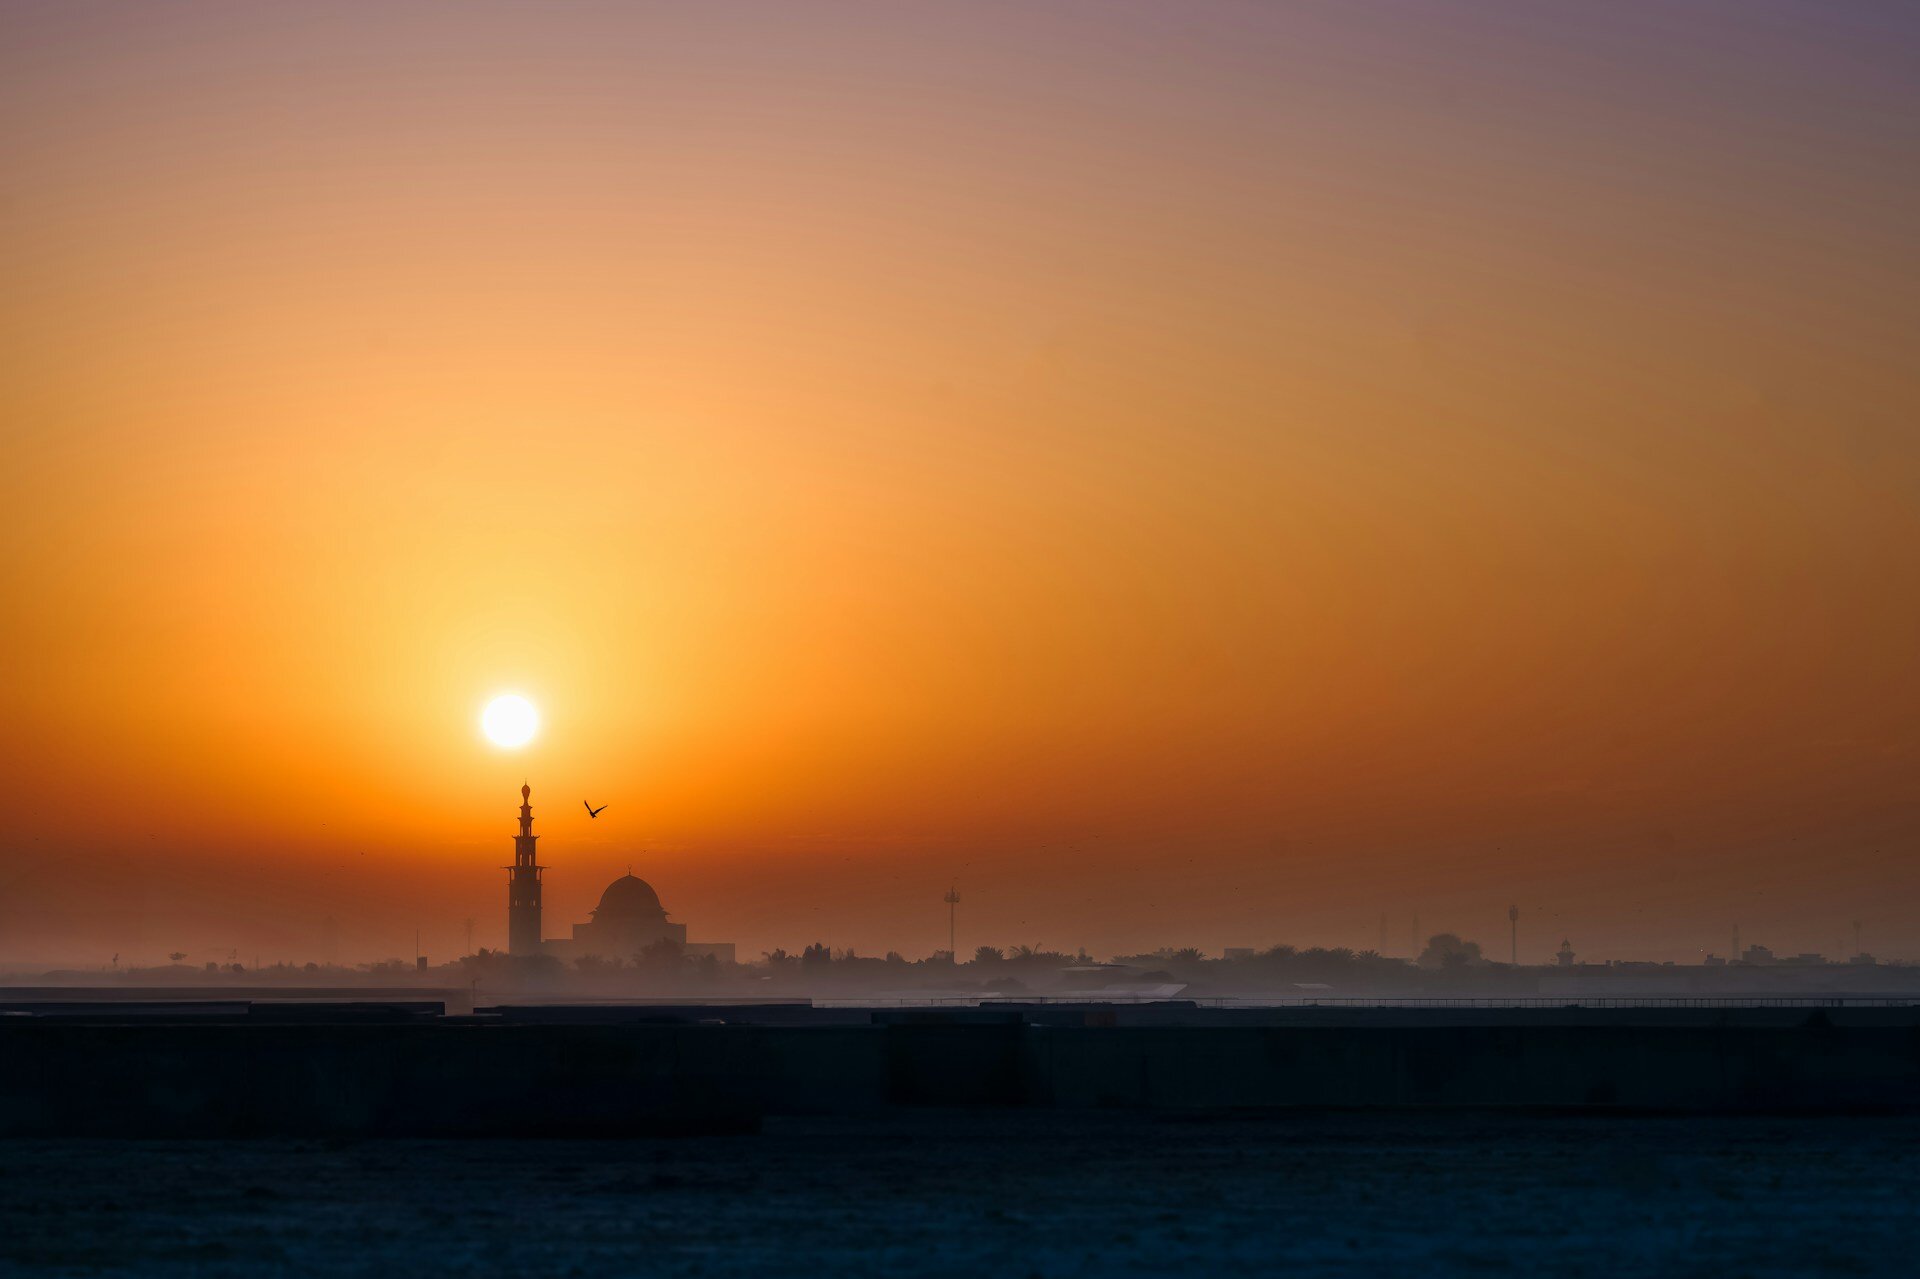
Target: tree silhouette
{"type": "Point", "coordinates": [1446, 950]}
{"type": "Point", "coordinates": [663, 954]}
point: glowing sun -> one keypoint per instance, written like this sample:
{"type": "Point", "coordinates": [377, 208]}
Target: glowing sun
{"type": "Point", "coordinates": [510, 721]}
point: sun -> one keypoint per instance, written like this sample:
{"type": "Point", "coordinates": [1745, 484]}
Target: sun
{"type": "Point", "coordinates": [510, 721]}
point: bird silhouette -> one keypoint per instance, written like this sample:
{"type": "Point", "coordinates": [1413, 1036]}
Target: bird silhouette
{"type": "Point", "coordinates": [591, 810]}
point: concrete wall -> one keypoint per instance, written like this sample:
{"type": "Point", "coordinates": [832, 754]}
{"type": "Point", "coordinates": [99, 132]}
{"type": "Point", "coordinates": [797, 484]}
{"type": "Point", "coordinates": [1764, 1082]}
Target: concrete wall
{"type": "Point", "coordinates": [421, 1079]}
{"type": "Point", "coordinates": [479, 1077]}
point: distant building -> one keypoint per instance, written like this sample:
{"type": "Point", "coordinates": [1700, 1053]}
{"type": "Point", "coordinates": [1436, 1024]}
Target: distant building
{"type": "Point", "coordinates": [627, 921]}
{"type": "Point", "coordinates": [1757, 955]}
{"type": "Point", "coordinates": [523, 885]}
{"type": "Point", "coordinates": [1564, 956]}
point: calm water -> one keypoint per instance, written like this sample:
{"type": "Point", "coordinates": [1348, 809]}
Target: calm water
{"type": "Point", "coordinates": [997, 1193]}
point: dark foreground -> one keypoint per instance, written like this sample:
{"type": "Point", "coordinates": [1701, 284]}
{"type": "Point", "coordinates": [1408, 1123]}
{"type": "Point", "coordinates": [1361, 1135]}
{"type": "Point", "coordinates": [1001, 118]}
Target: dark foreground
{"type": "Point", "coordinates": [996, 1193]}
{"type": "Point", "coordinates": [377, 1071]}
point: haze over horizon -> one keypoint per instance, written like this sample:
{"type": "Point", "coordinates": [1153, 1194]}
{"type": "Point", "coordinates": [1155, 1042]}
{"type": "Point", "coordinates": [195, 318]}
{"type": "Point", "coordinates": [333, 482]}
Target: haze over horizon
{"type": "Point", "coordinates": [1195, 475]}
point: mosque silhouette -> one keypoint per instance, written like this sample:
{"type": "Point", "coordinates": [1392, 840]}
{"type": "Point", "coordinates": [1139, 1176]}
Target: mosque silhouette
{"type": "Point", "coordinates": [628, 920]}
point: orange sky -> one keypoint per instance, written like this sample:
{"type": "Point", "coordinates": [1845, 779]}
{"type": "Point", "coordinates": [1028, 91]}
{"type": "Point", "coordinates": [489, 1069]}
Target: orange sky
{"type": "Point", "coordinates": [1201, 474]}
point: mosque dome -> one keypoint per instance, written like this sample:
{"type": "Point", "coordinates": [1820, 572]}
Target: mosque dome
{"type": "Point", "coordinates": [628, 898]}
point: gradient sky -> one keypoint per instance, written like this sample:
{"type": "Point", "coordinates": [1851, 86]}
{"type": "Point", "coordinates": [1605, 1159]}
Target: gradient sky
{"type": "Point", "coordinates": [1197, 473]}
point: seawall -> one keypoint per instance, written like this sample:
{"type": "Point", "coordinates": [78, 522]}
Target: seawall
{"type": "Point", "coordinates": [405, 1071]}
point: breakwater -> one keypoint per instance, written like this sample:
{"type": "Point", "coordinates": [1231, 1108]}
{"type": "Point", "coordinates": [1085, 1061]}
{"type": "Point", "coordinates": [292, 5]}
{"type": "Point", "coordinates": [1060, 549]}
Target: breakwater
{"type": "Point", "coordinates": [407, 1069]}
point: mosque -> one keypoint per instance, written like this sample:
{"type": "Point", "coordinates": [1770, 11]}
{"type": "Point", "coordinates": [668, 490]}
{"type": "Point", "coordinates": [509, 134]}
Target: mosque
{"type": "Point", "coordinates": [628, 919]}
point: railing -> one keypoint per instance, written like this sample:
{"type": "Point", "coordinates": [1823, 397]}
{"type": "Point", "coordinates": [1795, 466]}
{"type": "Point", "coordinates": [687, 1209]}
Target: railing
{"type": "Point", "coordinates": [1385, 1001]}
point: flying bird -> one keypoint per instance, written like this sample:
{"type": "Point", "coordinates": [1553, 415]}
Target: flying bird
{"type": "Point", "coordinates": [591, 810]}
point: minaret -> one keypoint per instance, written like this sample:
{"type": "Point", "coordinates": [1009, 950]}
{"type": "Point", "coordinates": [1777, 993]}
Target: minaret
{"type": "Point", "coordinates": [523, 885]}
